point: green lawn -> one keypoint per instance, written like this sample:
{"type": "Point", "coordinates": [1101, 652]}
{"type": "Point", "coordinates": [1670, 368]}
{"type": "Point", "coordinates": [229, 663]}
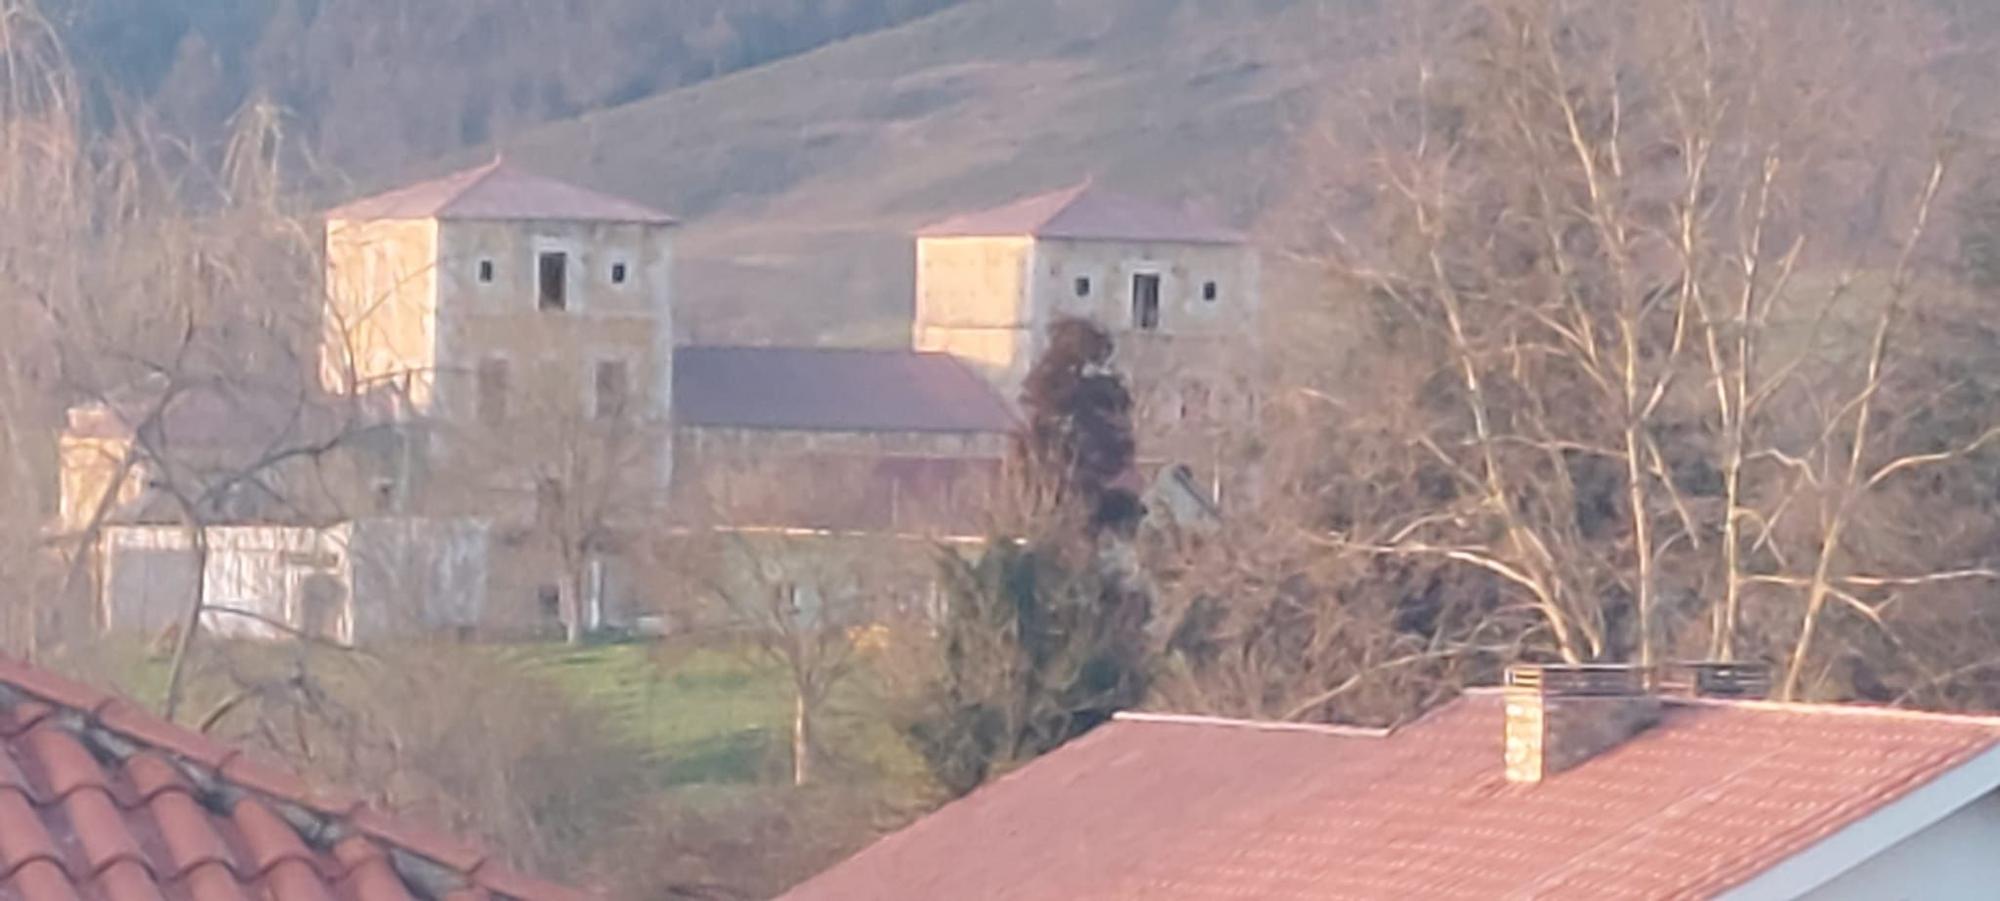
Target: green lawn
{"type": "Point", "coordinates": [716, 717]}
{"type": "Point", "coordinates": [710, 717]}
{"type": "Point", "coordinates": [701, 718]}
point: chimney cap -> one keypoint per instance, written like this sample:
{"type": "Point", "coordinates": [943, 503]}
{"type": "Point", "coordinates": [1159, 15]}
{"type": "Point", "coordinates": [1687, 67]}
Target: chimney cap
{"type": "Point", "coordinates": [1579, 680]}
{"type": "Point", "coordinates": [1718, 679]}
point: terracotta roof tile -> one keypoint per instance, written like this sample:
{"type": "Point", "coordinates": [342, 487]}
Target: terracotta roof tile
{"type": "Point", "coordinates": [130, 720]}
{"type": "Point", "coordinates": [100, 801]}
{"type": "Point", "coordinates": [248, 771]}
{"type": "Point", "coordinates": [22, 716]}
{"type": "Point", "coordinates": [1085, 212]}
{"type": "Point", "coordinates": [125, 880]}
{"type": "Point", "coordinates": [66, 765]}
{"type": "Point", "coordinates": [498, 191]}
{"type": "Point", "coordinates": [50, 688]}
{"type": "Point", "coordinates": [42, 880]}
{"type": "Point", "coordinates": [1713, 795]}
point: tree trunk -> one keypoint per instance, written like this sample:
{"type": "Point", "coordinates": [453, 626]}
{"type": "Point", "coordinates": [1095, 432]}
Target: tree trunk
{"type": "Point", "coordinates": [801, 740]}
{"type": "Point", "coordinates": [191, 624]}
{"type": "Point", "coordinates": [572, 606]}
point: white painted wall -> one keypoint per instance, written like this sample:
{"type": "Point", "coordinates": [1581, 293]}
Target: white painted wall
{"type": "Point", "coordinates": [1956, 858]}
{"type": "Point", "coordinates": [1936, 841]}
{"type": "Point", "coordinates": [255, 578]}
{"type": "Point", "coordinates": [413, 576]}
{"type": "Point", "coordinates": [394, 577]}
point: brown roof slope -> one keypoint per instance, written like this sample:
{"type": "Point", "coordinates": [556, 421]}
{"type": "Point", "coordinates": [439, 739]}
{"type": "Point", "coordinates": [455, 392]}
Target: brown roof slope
{"type": "Point", "coordinates": [1085, 212]}
{"type": "Point", "coordinates": [826, 389]}
{"type": "Point", "coordinates": [1713, 795]}
{"type": "Point", "coordinates": [100, 801]}
{"type": "Point", "coordinates": [498, 191]}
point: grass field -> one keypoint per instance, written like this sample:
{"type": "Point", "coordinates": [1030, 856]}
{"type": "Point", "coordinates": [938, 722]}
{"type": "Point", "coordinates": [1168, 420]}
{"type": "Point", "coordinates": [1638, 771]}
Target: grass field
{"type": "Point", "coordinates": [710, 718]}
{"type": "Point", "coordinates": [713, 717]}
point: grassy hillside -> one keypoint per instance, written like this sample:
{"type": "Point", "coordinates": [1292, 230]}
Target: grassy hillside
{"type": "Point", "coordinates": [802, 179]}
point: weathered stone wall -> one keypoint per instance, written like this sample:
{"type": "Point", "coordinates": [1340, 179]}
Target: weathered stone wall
{"type": "Point", "coordinates": [972, 302]}
{"type": "Point", "coordinates": [931, 482]}
{"type": "Point", "coordinates": [381, 322]}
{"type": "Point", "coordinates": [553, 354]}
{"type": "Point", "coordinates": [1192, 374]}
{"type": "Point", "coordinates": [1546, 735]}
{"type": "Point", "coordinates": [991, 301]}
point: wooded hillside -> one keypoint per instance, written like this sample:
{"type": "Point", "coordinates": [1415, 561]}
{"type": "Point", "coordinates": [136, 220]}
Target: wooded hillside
{"type": "Point", "coordinates": [377, 84]}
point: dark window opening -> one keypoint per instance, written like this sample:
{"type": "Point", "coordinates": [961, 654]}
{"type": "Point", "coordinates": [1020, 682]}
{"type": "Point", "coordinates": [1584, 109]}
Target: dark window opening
{"type": "Point", "coordinates": [493, 391]}
{"type": "Point", "coordinates": [618, 273]}
{"type": "Point", "coordinates": [1194, 401]}
{"type": "Point", "coordinates": [1083, 287]}
{"type": "Point", "coordinates": [486, 271]}
{"type": "Point", "coordinates": [1210, 292]}
{"type": "Point", "coordinates": [613, 388]}
{"type": "Point", "coordinates": [1146, 301]}
{"type": "Point", "coordinates": [554, 270]}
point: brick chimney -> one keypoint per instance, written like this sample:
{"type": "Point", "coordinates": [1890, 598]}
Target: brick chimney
{"type": "Point", "coordinates": [1560, 716]}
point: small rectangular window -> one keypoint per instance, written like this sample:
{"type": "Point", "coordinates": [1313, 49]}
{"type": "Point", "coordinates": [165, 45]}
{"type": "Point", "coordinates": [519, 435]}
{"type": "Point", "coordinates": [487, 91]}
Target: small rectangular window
{"type": "Point", "coordinates": [1210, 291]}
{"type": "Point", "coordinates": [1194, 401]}
{"type": "Point", "coordinates": [1146, 301]}
{"type": "Point", "coordinates": [493, 391]}
{"type": "Point", "coordinates": [1083, 287]}
{"type": "Point", "coordinates": [618, 273]}
{"type": "Point", "coordinates": [554, 270]}
{"type": "Point", "coordinates": [613, 388]}
{"type": "Point", "coordinates": [486, 272]}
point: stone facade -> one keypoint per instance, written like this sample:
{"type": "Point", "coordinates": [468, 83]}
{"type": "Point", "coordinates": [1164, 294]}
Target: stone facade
{"type": "Point", "coordinates": [1184, 313]}
{"type": "Point", "coordinates": [498, 373]}
{"type": "Point", "coordinates": [972, 303]}
{"type": "Point", "coordinates": [1547, 733]}
{"type": "Point", "coordinates": [913, 483]}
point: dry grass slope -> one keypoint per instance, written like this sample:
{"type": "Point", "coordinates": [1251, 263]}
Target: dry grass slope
{"type": "Point", "coordinates": [802, 179]}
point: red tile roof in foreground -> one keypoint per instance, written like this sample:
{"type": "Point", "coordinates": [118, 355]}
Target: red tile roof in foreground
{"type": "Point", "coordinates": [498, 191]}
{"type": "Point", "coordinates": [100, 801]}
{"type": "Point", "coordinates": [1181, 808]}
{"type": "Point", "coordinates": [1085, 212]}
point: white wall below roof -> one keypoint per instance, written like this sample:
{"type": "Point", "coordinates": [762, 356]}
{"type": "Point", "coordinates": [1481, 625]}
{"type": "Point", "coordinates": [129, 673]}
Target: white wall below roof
{"type": "Point", "coordinates": [1865, 847]}
{"type": "Point", "coordinates": [1955, 858]}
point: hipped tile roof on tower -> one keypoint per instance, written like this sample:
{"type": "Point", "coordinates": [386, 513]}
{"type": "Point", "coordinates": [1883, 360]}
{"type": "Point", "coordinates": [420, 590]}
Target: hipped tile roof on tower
{"type": "Point", "coordinates": [497, 191]}
{"type": "Point", "coordinates": [1085, 212]}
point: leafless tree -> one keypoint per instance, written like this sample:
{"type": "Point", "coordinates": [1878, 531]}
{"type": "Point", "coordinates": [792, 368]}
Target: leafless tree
{"type": "Point", "coordinates": [141, 279]}
{"type": "Point", "coordinates": [754, 567]}
{"type": "Point", "coordinates": [1637, 280]}
{"type": "Point", "coordinates": [575, 486]}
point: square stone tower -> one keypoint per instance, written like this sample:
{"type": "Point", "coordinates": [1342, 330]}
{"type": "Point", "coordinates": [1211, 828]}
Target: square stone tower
{"type": "Point", "coordinates": [500, 305]}
{"type": "Point", "coordinates": [1179, 295]}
